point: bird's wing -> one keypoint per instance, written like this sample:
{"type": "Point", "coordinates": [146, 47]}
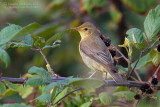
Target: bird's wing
{"type": "Point", "coordinates": [103, 57]}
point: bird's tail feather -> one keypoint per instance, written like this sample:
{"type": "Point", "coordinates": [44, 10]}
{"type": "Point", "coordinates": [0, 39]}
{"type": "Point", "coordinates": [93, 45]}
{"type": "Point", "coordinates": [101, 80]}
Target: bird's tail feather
{"type": "Point", "coordinates": [118, 78]}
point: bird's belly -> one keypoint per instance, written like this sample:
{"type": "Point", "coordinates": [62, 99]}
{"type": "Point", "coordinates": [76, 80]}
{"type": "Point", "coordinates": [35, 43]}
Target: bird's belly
{"type": "Point", "coordinates": [91, 63]}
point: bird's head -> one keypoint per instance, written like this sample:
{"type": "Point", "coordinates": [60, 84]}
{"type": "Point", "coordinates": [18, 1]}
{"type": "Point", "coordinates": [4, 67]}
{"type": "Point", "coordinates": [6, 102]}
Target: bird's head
{"type": "Point", "coordinates": [86, 29]}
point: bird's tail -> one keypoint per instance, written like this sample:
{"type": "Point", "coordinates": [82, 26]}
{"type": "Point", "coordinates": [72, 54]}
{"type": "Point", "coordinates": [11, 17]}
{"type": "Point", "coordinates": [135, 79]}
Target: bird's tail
{"type": "Point", "coordinates": [118, 78]}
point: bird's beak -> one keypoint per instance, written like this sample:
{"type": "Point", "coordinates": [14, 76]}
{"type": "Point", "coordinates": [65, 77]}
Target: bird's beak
{"type": "Point", "coordinates": [75, 28]}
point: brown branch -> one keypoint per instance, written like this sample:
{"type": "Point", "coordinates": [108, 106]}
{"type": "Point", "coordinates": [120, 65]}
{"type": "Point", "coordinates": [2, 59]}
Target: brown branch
{"type": "Point", "coordinates": [40, 50]}
{"type": "Point", "coordinates": [55, 79]}
{"type": "Point", "coordinates": [155, 73]}
{"type": "Point", "coordinates": [139, 78]}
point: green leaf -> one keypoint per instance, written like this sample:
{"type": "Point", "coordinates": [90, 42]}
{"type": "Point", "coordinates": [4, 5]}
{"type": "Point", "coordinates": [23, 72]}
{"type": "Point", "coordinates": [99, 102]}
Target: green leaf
{"type": "Point", "coordinates": [143, 61]}
{"type": "Point", "coordinates": [45, 98]}
{"type": "Point", "coordinates": [41, 72]}
{"type": "Point", "coordinates": [11, 85]}
{"type": "Point", "coordinates": [155, 56]}
{"type": "Point", "coordinates": [140, 46]}
{"type": "Point", "coordinates": [121, 88]}
{"type": "Point", "coordinates": [60, 95]}
{"type": "Point", "coordinates": [57, 36]}
{"type": "Point", "coordinates": [15, 105]}
{"type": "Point", "coordinates": [87, 83]}
{"type": "Point", "coordinates": [9, 92]}
{"type": "Point", "coordinates": [7, 33]}
{"type": "Point", "coordinates": [2, 88]}
{"type": "Point", "coordinates": [87, 104]}
{"type": "Point", "coordinates": [135, 35]}
{"type": "Point", "coordinates": [147, 102]}
{"type": "Point", "coordinates": [54, 92]}
{"type": "Point", "coordinates": [152, 23]}
{"type": "Point", "coordinates": [29, 29]}
{"type": "Point", "coordinates": [4, 57]}
{"type": "Point", "coordinates": [46, 31]}
{"type": "Point", "coordinates": [28, 39]}
{"type": "Point", "coordinates": [50, 86]}
{"type": "Point", "coordinates": [106, 98]}
{"type": "Point", "coordinates": [25, 91]}
{"type": "Point", "coordinates": [140, 6]}
{"type": "Point", "coordinates": [129, 96]}
{"type": "Point", "coordinates": [18, 45]}
{"type": "Point", "coordinates": [35, 81]}
{"type": "Point", "coordinates": [26, 42]}
{"type": "Point", "coordinates": [55, 44]}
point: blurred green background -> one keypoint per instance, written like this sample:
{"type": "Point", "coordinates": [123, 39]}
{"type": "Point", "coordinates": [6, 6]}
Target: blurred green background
{"type": "Point", "coordinates": [112, 17]}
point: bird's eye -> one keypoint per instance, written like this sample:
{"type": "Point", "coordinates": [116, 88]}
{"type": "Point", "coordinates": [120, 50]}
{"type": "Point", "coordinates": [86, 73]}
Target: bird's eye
{"type": "Point", "coordinates": [85, 29]}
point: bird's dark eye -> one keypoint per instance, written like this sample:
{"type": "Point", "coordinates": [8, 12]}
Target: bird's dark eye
{"type": "Point", "coordinates": [85, 29]}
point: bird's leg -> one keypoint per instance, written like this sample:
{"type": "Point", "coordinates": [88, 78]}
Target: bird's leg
{"type": "Point", "coordinates": [92, 73]}
{"type": "Point", "coordinates": [104, 75]}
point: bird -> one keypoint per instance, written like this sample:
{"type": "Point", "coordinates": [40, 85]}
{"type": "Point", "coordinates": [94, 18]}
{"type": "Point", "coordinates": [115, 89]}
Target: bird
{"type": "Point", "coordinates": [95, 53]}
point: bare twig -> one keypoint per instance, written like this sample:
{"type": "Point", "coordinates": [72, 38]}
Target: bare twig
{"type": "Point", "coordinates": [134, 78]}
{"type": "Point", "coordinates": [40, 50]}
{"type": "Point", "coordinates": [66, 96]}
{"type": "Point", "coordinates": [139, 78]}
{"type": "Point", "coordinates": [135, 64]}
{"type": "Point", "coordinates": [119, 57]}
{"type": "Point", "coordinates": [121, 54]}
{"type": "Point", "coordinates": [155, 73]}
{"type": "Point", "coordinates": [127, 62]}
{"type": "Point", "coordinates": [135, 103]}
{"type": "Point", "coordinates": [48, 64]}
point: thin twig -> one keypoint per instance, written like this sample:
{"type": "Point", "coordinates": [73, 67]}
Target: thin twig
{"type": "Point", "coordinates": [40, 50]}
{"type": "Point", "coordinates": [43, 56]}
{"type": "Point", "coordinates": [135, 103]}
{"type": "Point", "coordinates": [135, 64]}
{"type": "Point", "coordinates": [66, 96]}
{"type": "Point", "coordinates": [127, 62]}
{"type": "Point", "coordinates": [133, 78]}
{"type": "Point", "coordinates": [155, 73]}
{"type": "Point", "coordinates": [139, 78]}
{"type": "Point", "coordinates": [119, 57]}
{"type": "Point", "coordinates": [120, 53]}
{"type": "Point", "coordinates": [48, 64]}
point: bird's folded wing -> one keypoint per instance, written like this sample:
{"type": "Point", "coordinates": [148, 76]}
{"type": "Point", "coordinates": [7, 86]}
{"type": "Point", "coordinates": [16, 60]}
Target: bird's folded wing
{"type": "Point", "coordinates": [103, 57]}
